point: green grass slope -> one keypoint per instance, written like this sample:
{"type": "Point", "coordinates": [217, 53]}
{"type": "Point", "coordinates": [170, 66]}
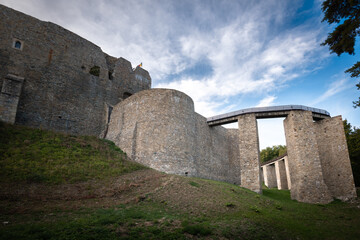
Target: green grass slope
{"type": "Point", "coordinates": [143, 204]}
{"type": "Point", "coordinates": [34, 155]}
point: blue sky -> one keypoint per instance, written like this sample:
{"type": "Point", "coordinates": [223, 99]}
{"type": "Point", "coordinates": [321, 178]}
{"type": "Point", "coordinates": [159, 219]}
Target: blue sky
{"type": "Point", "coordinates": [225, 54]}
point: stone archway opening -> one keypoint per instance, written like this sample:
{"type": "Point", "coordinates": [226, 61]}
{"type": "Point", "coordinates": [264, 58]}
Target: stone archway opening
{"type": "Point", "coordinates": [319, 162]}
{"type": "Point", "coordinates": [274, 169]}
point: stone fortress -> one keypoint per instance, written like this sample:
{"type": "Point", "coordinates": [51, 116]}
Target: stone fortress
{"type": "Point", "coordinates": [51, 78]}
{"type": "Point", "coordinates": [54, 79]}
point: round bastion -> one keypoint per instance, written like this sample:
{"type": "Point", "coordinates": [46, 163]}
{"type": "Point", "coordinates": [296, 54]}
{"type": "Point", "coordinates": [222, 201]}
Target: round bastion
{"type": "Point", "coordinates": [156, 128]}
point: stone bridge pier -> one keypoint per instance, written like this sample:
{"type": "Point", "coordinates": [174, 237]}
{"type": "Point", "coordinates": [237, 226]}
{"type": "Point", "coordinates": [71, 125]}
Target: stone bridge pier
{"type": "Point", "coordinates": [249, 152]}
{"type": "Point", "coordinates": [304, 159]}
{"type": "Point", "coordinates": [318, 166]}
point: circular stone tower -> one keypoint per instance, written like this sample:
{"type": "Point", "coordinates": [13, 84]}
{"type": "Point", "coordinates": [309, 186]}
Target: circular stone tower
{"type": "Point", "coordinates": [156, 128]}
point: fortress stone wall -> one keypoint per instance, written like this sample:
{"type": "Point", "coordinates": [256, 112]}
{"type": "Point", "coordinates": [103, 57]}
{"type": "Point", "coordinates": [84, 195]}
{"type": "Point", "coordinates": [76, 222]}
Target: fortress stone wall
{"type": "Point", "coordinates": [45, 78]}
{"type": "Point", "coordinates": [53, 79]}
{"type": "Point", "coordinates": [160, 129]}
{"type": "Point", "coordinates": [317, 167]}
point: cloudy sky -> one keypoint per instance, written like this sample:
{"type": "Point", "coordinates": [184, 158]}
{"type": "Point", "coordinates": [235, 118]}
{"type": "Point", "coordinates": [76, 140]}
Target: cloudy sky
{"type": "Point", "coordinates": [226, 54]}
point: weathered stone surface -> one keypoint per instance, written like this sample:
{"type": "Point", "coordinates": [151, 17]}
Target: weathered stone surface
{"type": "Point", "coordinates": [334, 158]}
{"type": "Point", "coordinates": [307, 182]}
{"type": "Point", "coordinates": [249, 152]}
{"type": "Point", "coordinates": [54, 79]}
{"type": "Point", "coordinates": [281, 175]}
{"type": "Point", "coordinates": [270, 176]}
{"type": "Point", "coordinates": [58, 92]}
{"type": "Point", "coordinates": [9, 97]}
{"type": "Point", "coordinates": [288, 178]}
{"type": "Point", "coordinates": [160, 129]}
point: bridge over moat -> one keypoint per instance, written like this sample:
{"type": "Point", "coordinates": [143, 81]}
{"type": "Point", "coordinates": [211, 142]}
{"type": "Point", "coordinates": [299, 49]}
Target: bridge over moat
{"type": "Point", "coordinates": [318, 163]}
{"type": "Point", "coordinates": [266, 112]}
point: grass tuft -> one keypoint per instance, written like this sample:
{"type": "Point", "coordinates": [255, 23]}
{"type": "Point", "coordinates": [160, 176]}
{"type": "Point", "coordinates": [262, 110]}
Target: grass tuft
{"type": "Point", "coordinates": [194, 184]}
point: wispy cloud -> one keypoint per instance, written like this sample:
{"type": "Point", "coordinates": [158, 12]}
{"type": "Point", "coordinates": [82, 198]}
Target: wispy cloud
{"type": "Point", "coordinates": [246, 47]}
{"type": "Point", "coordinates": [265, 102]}
{"type": "Point", "coordinates": [247, 57]}
{"type": "Point", "coordinates": [334, 88]}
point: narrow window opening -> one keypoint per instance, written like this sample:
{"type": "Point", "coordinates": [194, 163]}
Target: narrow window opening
{"type": "Point", "coordinates": [109, 113]}
{"type": "Point", "coordinates": [111, 75]}
{"type": "Point", "coordinates": [18, 44]}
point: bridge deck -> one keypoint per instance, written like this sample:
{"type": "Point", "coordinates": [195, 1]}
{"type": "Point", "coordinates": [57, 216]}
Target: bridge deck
{"type": "Point", "coordinates": [266, 112]}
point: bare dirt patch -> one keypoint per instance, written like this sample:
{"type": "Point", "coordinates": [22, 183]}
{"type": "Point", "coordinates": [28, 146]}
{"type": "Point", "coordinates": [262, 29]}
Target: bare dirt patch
{"type": "Point", "coordinates": [132, 187]}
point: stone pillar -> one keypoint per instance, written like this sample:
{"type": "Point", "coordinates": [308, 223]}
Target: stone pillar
{"type": "Point", "coordinates": [270, 172]}
{"type": "Point", "coordinates": [264, 175]}
{"type": "Point", "coordinates": [249, 152]}
{"type": "Point", "coordinates": [281, 174]}
{"type": "Point", "coordinates": [304, 161]}
{"type": "Point", "coordinates": [9, 97]}
{"type": "Point", "coordinates": [334, 158]}
{"type": "Point", "coordinates": [287, 172]}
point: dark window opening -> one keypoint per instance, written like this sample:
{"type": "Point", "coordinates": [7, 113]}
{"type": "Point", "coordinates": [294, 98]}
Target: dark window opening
{"type": "Point", "coordinates": [111, 75]}
{"type": "Point", "coordinates": [95, 70]}
{"type": "Point", "coordinates": [109, 113]}
{"type": "Point", "coordinates": [59, 117]}
{"type": "Point", "coordinates": [126, 95]}
{"type": "Point", "coordinates": [17, 44]}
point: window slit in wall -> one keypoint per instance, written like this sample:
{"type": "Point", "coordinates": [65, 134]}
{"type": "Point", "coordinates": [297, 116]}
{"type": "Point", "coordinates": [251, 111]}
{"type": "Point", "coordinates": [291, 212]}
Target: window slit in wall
{"type": "Point", "coordinates": [111, 75]}
{"type": "Point", "coordinates": [109, 113]}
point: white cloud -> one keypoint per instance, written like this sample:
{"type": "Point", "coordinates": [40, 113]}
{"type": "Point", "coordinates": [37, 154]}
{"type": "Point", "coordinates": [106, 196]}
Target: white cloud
{"type": "Point", "coordinates": [265, 102]}
{"type": "Point", "coordinates": [334, 88]}
{"type": "Point", "coordinates": [245, 60]}
{"type": "Point", "coordinates": [245, 43]}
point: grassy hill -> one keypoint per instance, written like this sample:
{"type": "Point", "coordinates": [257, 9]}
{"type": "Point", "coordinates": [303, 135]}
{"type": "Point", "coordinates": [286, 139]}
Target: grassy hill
{"type": "Point", "coordinates": [38, 156]}
{"type": "Point", "coordinates": [57, 186]}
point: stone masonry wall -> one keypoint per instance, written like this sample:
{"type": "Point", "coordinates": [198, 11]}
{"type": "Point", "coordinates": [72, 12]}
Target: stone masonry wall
{"type": "Point", "coordinates": [288, 178]}
{"type": "Point", "coordinates": [334, 158]}
{"type": "Point", "coordinates": [160, 129]}
{"type": "Point", "coordinates": [270, 176]}
{"type": "Point", "coordinates": [281, 174]}
{"type": "Point", "coordinates": [249, 152]}
{"type": "Point", "coordinates": [9, 97]}
{"type": "Point", "coordinates": [59, 92]}
{"type": "Point", "coordinates": [307, 182]}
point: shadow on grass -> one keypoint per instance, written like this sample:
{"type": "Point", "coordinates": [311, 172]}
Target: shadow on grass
{"type": "Point", "coordinates": [280, 195]}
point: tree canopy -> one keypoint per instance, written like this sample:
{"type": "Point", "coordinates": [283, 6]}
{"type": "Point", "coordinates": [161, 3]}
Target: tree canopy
{"type": "Point", "coordinates": [353, 141]}
{"type": "Point", "coordinates": [273, 152]}
{"type": "Point", "coordinates": [346, 14]}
